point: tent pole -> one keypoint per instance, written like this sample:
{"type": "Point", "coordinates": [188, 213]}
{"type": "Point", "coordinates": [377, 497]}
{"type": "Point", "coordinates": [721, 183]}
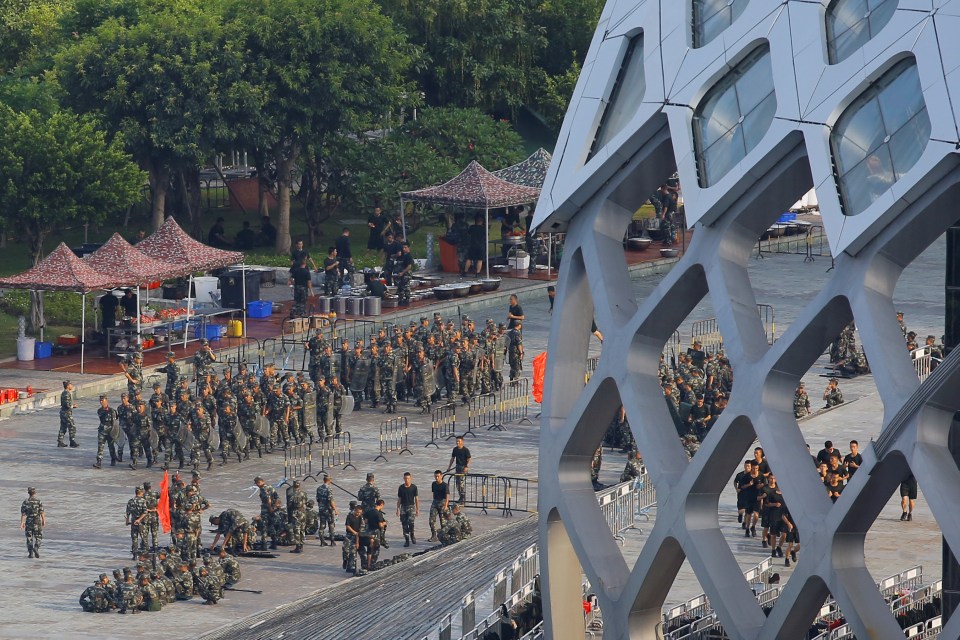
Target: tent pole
{"type": "Point", "coordinates": [549, 253]}
{"type": "Point", "coordinates": [403, 219]}
{"type": "Point", "coordinates": [186, 325]}
{"type": "Point", "coordinates": [139, 336]}
{"type": "Point", "coordinates": [486, 233]}
{"type": "Point", "coordinates": [83, 326]}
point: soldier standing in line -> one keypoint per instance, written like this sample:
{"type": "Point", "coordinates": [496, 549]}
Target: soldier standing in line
{"type": "Point", "coordinates": [408, 508]}
{"type": "Point", "coordinates": [172, 428]}
{"type": "Point", "coordinates": [279, 413]}
{"type": "Point", "coordinates": [372, 390]}
{"type": "Point", "coordinates": [200, 424]}
{"type": "Point", "coordinates": [324, 399]}
{"type": "Point", "coordinates": [173, 373]}
{"type": "Point", "coordinates": [337, 392]}
{"type": "Point", "coordinates": [405, 266]}
{"type": "Point", "coordinates": [67, 406]}
{"type": "Point", "coordinates": [152, 521]}
{"type": "Point", "coordinates": [451, 372]}
{"type": "Point", "coordinates": [388, 391]}
{"type": "Point", "coordinates": [133, 372]}
{"type": "Point", "coordinates": [141, 424]}
{"type": "Point", "coordinates": [293, 419]}
{"type": "Point", "coordinates": [32, 521]}
{"type": "Point", "coordinates": [108, 420]}
{"type": "Point", "coordinates": [248, 413]}
{"type": "Point", "coordinates": [326, 510]}
{"type": "Point", "coordinates": [421, 373]}
{"type": "Point", "coordinates": [352, 361]}
{"type": "Point", "coordinates": [297, 508]}
{"type": "Point", "coordinates": [515, 350]}
{"type": "Point", "coordinates": [135, 515]}
{"type": "Point", "coordinates": [228, 431]}
{"type": "Point", "coordinates": [203, 360]}
{"type": "Point", "coordinates": [633, 468]}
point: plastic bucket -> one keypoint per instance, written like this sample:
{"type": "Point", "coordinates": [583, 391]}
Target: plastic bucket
{"type": "Point", "coordinates": [204, 286]}
{"type": "Point", "coordinates": [25, 347]}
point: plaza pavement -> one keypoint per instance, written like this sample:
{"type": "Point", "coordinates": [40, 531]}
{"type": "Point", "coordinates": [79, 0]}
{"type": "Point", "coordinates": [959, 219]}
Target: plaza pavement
{"type": "Point", "coordinates": [86, 536]}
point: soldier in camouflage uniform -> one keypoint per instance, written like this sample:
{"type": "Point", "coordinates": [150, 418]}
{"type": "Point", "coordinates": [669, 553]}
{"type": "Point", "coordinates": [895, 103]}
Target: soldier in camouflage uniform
{"type": "Point", "coordinates": [200, 424]}
{"type": "Point", "coordinates": [372, 391]}
{"type": "Point", "coordinates": [595, 468]}
{"type": "Point", "coordinates": [324, 399]}
{"type": "Point", "coordinates": [833, 396]}
{"type": "Point", "coordinates": [293, 420]}
{"type": "Point", "coordinates": [297, 509]}
{"type": "Point", "coordinates": [408, 508]}
{"type": "Point", "coordinates": [248, 413]}
{"type": "Point", "coordinates": [150, 598]}
{"type": "Point", "coordinates": [32, 521]}
{"type": "Point", "coordinates": [97, 598]}
{"type": "Point", "coordinates": [173, 373]}
{"type": "Point", "coordinates": [633, 468]}
{"type": "Point", "coordinates": [151, 525]}
{"type": "Point", "coordinates": [66, 416]}
{"type": "Point", "coordinates": [230, 566]}
{"type": "Point", "coordinates": [133, 372]}
{"type": "Point", "coordinates": [279, 413]}
{"type": "Point", "coordinates": [387, 365]}
{"type": "Point", "coordinates": [135, 516]}
{"type": "Point", "coordinates": [108, 418]}
{"type": "Point", "coordinates": [515, 351]}
{"type": "Point", "coordinates": [466, 528]}
{"type": "Point", "coordinates": [337, 393]}
{"type": "Point", "coordinates": [228, 434]}
{"type": "Point", "coordinates": [267, 493]}
{"type": "Point", "coordinates": [451, 370]}
{"type": "Point", "coordinates": [465, 375]}
{"type": "Point", "coordinates": [203, 360]}
{"type": "Point", "coordinates": [172, 425]}
{"type": "Point", "coordinates": [142, 426]}
{"type": "Point", "coordinates": [450, 530]}
{"type": "Point", "coordinates": [131, 598]}
{"type": "Point", "coordinates": [419, 368]}
{"type": "Point", "coordinates": [801, 403]}
{"type": "Point", "coordinates": [351, 365]}
{"type": "Point", "coordinates": [208, 587]}
{"type": "Point", "coordinates": [326, 510]}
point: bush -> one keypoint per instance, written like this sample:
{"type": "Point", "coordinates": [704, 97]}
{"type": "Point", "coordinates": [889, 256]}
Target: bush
{"type": "Point", "coordinates": [59, 307]}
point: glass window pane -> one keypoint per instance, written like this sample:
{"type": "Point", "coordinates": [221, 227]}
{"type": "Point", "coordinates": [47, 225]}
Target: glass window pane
{"type": "Point", "coordinates": [757, 122]}
{"type": "Point", "coordinates": [855, 190]}
{"type": "Point", "coordinates": [901, 99]}
{"type": "Point", "coordinates": [723, 155]}
{"type": "Point", "coordinates": [863, 132]}
{"type": "Point", "coordinates": [907, 145]}
{"type": "Point", "coordinates": [880, 13]}
{"type": "Point", "coordinates": [712, 17]}
{"type": "Point", "coordinates": [625, 97]}
{"type": "Point", "coordinates": [851, 23]}
{"type": "Point", "coordinates": [755, 84]}
{"type": "Point", "coordinates": [843, 15]}
{"type": "Point", "coordinates": [719, 115]}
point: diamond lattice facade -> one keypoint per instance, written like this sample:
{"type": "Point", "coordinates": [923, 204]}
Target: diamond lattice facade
{"type": "Point", "coordinates": [754, 103]}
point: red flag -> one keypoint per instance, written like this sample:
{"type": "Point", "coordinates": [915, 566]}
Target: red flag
{"type": "Point", "coordinates": [163, 505]}
{"type": "Point", "coordinates": [539, 371]}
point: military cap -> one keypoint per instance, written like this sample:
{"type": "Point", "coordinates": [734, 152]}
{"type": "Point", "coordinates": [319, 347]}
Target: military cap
{"type": "Point", "coordinates": [31, 490]}
{"type": "Point", "coordinates": [127, 571]}
{"type": "Point", "coordinates": [258, 479]}
{"type": "Point", "coordinates": [123, 395]}
{"type": "Point", "coordinates": [353, 504]}
{"type": "Point", "coordinates": [171, 354]}
{"type": "Point", "coordinates": [162, 551]}
{"type": "Point", "coordinates": [138, 489]}
{"type": "Point", "coordinates": [204, 341]}
{"type": "Point", "coordinates": [834, 380]}
{"type": "Point", "coordinates": [195, 474]}
{"type": "Point", "coordinates": [103, 397]}
{"type": "Point", "coordinates": [502, 325]}
{"type": "Point", "coordinates": [436, 314]}
{"type": "Point", "coordinates": [326, 476]}
{"type": "Point", "coordinates": [490, 321]}
{"type": "Point", "coordinates": [104, 576]}
{"type": "Point", "coordinates": [423, 319]}
{"type": "Point", "coordinates": [296, 483]}
{"type": "Point", "coordinates": [190, 488]}
{"type": "Point", "coordinates": [156, 385]}
{"type": "Point", "coordinates": [899, 313]}
{"type": "Point", "coordinates": [931, 337]}
{"type": "Point", "coordinates": [147, 485]}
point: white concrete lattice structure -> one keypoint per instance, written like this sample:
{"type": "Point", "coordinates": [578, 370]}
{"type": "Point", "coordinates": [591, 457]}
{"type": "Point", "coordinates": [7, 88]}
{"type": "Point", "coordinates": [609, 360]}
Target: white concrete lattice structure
{"type": "Point", "coordinates": [592, 192]}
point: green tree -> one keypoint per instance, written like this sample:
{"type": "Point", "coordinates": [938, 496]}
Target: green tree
{"type": "Point", "coordinates": [165, 82]}
{"type": "Point", "coordinates": [29, 30]}
{"type": "Point", "coordinates": [556, 95]}
{"type": "Point", "coordinates": [59, 170]}
{"type": "Point", "coordinates": [463, 135]}
{"type": "Point", "coordinates": [323, 66]}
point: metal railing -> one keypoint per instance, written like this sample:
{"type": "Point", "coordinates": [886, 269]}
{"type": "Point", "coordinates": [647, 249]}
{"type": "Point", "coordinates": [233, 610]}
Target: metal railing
{"type": "Point", "coordinates": [482, 413]}
{"type": "Point", "coordinates": [514, 402]}
{"type": "Point", "coordinates": [297, 461]}
{"type": "Point", "coordinates": [443, 424]}
{"type": "Point", "coordinates": [394, 436]}
{"type": "Point", "coordinates": [646, 495]}
{"type": "Point", "coordinates": [336, 452]}
{"type": "Point", "coordinates": [618, 506]}
{"type": "Point", "coordinates": [769, 320]}
{"type": "Point", "coordinates": [490, 492]}
{"type": "Point", "coordinates": [707, 332]}
{"type": "Point", "coordinates": [922, 360]}
{"type": "Point", "coordinates": [592, 364]}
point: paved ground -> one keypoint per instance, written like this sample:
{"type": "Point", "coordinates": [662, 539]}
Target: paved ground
{"type": "Point", "coordinates": [85, 507]}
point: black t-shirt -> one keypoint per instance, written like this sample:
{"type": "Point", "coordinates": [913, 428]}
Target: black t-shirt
{"type": "Point", "coordinates": [299, 255]}
{"type": "Point", "coordinates": [109, 304]}
{"type": "Point", "coordinates": [376, 288]}
{"type": "Point", "coordinates": [440, 490]}
{"type": "Point", "coordinates": [300, 276]}
{"type": "Point", "coordinates": [373, 517]}
{"type": "Point", "coordinates": [771, 495]}
{"type": "Point", "coordinates": [216, 232]}
{"type": "Point", "coordinates": [377, 222]}
{"type": "Point", "coordinates": [514, 310]}
{"type": "Point", "coordinates": [764, 466]}
{"type": "Point", "coordinates": [343, 247]}
{"type": "Point", "coordinates": [749, 487]}
{"type": "Point", "coordinates": [407, 495]}
{"type": "Point", "coordinates": [355, 522]}
{"type": "Point", "coordinates": [478, 236]}
{"type": "Point", "coordinates": [405, 260]}
{"type": "Point", "coordinates": [329, 262]}
{"type": "Point", "coordinates": [129, 306]}
{"type": "Point", "coordinates": [855, 459]}
{"type": "Point", "coordinates": [823, 457]}
{"type": "Point", "coordinates": [831, 489]}
{"type": "Point", "coordinates": [841, 472]}
{"type": "Point", "coordinates": [461, 456]}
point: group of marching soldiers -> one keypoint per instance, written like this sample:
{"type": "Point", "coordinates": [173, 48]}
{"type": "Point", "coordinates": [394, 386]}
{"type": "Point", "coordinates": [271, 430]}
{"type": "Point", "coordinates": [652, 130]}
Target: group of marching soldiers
{"type": "Point", "coordinates": [420, 363]}
{"type": "Point", "coordinates": [162, 578]}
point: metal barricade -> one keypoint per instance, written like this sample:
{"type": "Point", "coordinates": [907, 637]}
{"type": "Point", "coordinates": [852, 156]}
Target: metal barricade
{"type": "Point", "coordinates": [671, 350]}
{"type": "Point", "coordinates": [468, 611]}
{"type": "Point", "coordinates": [336, 452]}
{"type": "Point", "coordinates": [922, 362]}
{"type": "Point", "coordinates": [267, 351]}
{"type": "Point", "coordinates": [515, 402]}
{"type": "Point", "coordinates": [500, 586]}
{"type": "Point", "coordinates": [482, 412]}
{"type": "Point", "coordinates": [707, 332]}
{"type": "Point", "coordinates": [297, 461]}
{"type": "Point", "coordinates": [479, 491]}
{"type": "Point", "coordinates": [592, 364]}
{"type": "Point", "coordinates": [446, 627]}
{"type": "Point", "coordinates": [517, 495]}
{"type": "Point", "coordinates": [394, 436]}
{"type": "Point", "coordinates": [354, 329]}
{"type": "Point", "coordinates": [618, 506]}
{"type": "Point", "coordinates": [443, 424]}
{"type": "Point", "coordinates": [646, 495]}
{"type": "Point", "coordinates": [768, 318]}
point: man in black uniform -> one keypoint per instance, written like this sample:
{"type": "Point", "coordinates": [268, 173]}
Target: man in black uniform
{"type": "Point", "coordinates": [392, 249]}
{"type": "Point", "coordinates": [408, 508]}
{"type": "Point", "coordinates": [342, 243]}
{"type": "Point", "coordinates": [741, 498]}
{"type": "Point", "coordinates": [300, 255]}
{"type": "Point", "coordinates": [460, 460]}
{"type": "Point", "coordinates": [750, 491]}
{"type": "Point", "coordinates": [302, 287]}
{"type": "Point", "coordinates": [514, 312]}
{"type": "Point", "coordinates": [404, 267]}
{"type": "Point", "coordinates": [771, 501]}
{"type": "Point", "coordinates": [376, 221]}
{"type": "Point", "coordinates": [853, 460]}
{"type": "Point", "coordinates": [108, 310]}
{"type": "Point", "coordinates": [476, 247]}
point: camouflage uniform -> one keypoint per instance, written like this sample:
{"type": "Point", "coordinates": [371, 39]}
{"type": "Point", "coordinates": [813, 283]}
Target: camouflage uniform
{"type": "Point", "coordinates": [387, 364]}
{"type": "Point", "coordinates": [31, 510]}
{"type": "Point", "coordinates": [201, 439]}
{"type": "Point", "coordinates": [231, 569]}
{"type": "Point", "coordinates": [467, 381]}
{"type": "Point", "coordinates": [450, 531]}
{"type": "Point", "coordinates": [228, 434]}
{"type": "Point", "coordinates": [267, 494]}
{"type": "Point", "coordinates": [142, 427]}
{"type": "Point", "coordinates": [135, 381]}
{"type": "Point", "coordinates": [293, 423]}
{"type": "Point", "coordinates": [632, 470]}
{"type": "Point", "coordinates": [451, 371]}
{"type": "Point", "coordinates": [131, 597]}
{"type": "Point", "coordinates": [136, 515]}
{"type": "Point", "coordinates": [801, 404]}
{"type": "Point", "coordinates": [372, 390]}
{"type": "Point", "coordinates": [173, 426]}
{"type": "Point", "coordinates": [325, 513]}
{"type": "Point", "coordinates": [97, 598]}
{"type": "Point", "coordinates": [208, 586]}
{"type": "Point", "coordinates": [108, 418]}
{"type": "Point", "coordinates": [151, 524]}
{"type": "Point", "coordinates": [66, 420]}
{"type": "Point", "coordinates": [324, 398]}
{"type": "Point", "coordinates": [248, 413]}
{"type": "Point", "coordinates": [183, 582]}
{"type": "Point", "coordinates": [297, 508]}
{"type": "Point", "coordinates": [278, 406]}
{"type": "Point", "coordinates": [515, 352]}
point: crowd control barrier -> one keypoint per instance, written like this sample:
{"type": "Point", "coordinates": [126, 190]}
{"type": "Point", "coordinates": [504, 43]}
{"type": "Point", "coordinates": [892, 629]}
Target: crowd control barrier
{"type": "Point", "coordinates": [618, 505]}
{"type": "Point", "coordinates": [515, 402]}
{"type": "Point", "coordinates": [297, 461]}
{"type": "Point", "coordinates": [336, 452]}
{"type": "Point", "coordinates": [394, 436]}
{"type": "Point", "coordinates": [443, 424]}
{"type": "Point", "coordinates": [482, 412]}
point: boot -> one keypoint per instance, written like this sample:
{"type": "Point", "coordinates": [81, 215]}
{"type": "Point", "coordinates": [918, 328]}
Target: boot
{"type": "Point", "coordinates": [413, 538]}
{"type": "Point", "coordinates": [222, 464]}
{"type": "Point", "coordinates": [60, 444]}
{"type": "Point", "coordinates": [239, 459]}
{"type": "Point", "coordinates": [73, 444]}
{"type": "Point", "coordinates": [259, 451]}
{"type": "Point", "coordinates": [166, 465]}
{"type": "Point", "coordinates": [36, 552]}
{"type": "Point", "coordinates": [181, 464]}
{"type": "Point", "coordinates": [406, 540]}
{"type": "Point", "coordinates": [113, 462]}
{"type": "Point", "coordinates": [133, 465]}
{"type": "Point", "coordinates": [98, 464]}
{"type": "Point", "coordinates": [209, 461]}
{"type": "Point", "coordinates": [273, 544]}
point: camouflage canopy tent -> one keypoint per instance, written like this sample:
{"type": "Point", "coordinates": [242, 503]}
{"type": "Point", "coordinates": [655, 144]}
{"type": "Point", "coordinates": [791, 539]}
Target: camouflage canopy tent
{"type": "Point", "coordinates": [473, 188]}
{"type": "Point", "coordinates": [62, 270]}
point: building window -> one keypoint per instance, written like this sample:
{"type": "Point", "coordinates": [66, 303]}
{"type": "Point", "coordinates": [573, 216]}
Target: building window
{"type": "Point", "coordinates": [625, 96]}
{"type": "Point", "coordinates": [880, 137]}
{"type": "Point", "coordinates": [851, 23]}
{"type": "Point", "coordinates": [734, 116]}
{"type": "Point", "coordinates": [711, 17]}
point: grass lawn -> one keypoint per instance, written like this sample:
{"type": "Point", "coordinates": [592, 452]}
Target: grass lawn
{"type": "Point", "coordinates": [8, 334]}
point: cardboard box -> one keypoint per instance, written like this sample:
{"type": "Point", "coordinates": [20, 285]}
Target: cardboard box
{"type": "Point", "coordinates": [520, 264]}
{"type": "Point", "coordinates": [295, 325]}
